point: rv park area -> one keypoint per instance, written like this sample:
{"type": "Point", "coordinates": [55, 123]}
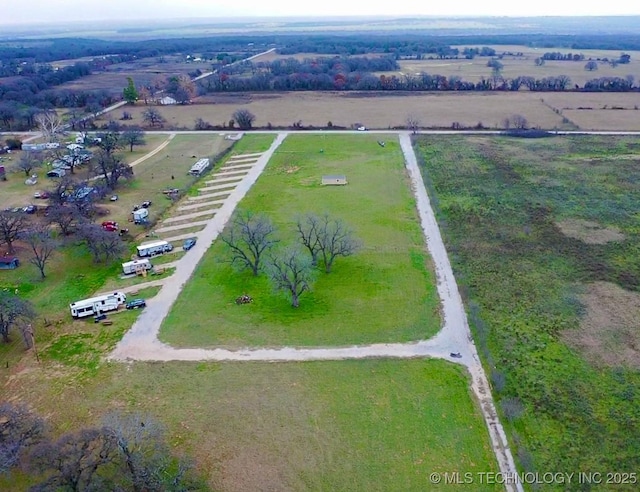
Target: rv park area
{"type": "Point", "coordinates": [398, 366]}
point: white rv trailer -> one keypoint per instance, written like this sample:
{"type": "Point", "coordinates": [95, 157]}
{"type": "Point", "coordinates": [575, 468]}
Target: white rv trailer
{"type": "Point", "coordinates": [199, 167]}
{"type": "Point", "coordinates": [97, 305]}
{"type": "Point", "coordinates": [154, 248]}
{"type": "Point", "coordinates": [134, 266]}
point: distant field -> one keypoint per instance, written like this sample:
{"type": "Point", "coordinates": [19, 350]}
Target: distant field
{"type": "Point", "coordinates": [435, 110]}
{"type": "Point", "coordinates": [384, 293]}
{"type": "Point", "coordinates": [143, 72]}
{"type": "Point", "coordinates": [474, 70]}
{"type": "Point", "coordinates": [370, 425]}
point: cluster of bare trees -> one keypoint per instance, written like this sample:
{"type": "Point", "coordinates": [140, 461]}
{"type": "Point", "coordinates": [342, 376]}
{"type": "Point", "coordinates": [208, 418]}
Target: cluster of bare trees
{"type": "Point", "coordinates": [124, 452]}
{"type": "Point", "coordinates": [251, 240]}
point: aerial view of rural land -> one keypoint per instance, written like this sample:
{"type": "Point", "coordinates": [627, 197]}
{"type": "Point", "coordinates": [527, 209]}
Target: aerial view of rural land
{"type": "Point", "coordinates": [266, 246]}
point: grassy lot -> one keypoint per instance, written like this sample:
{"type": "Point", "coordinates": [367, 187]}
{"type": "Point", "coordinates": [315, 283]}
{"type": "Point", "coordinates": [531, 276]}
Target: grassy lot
{"type": "Point", "coordinates": [353, 425]}
{"type": "Point", "coordinates": [385, 293]}
{"type": "Point", "coordinates": [544, 237]}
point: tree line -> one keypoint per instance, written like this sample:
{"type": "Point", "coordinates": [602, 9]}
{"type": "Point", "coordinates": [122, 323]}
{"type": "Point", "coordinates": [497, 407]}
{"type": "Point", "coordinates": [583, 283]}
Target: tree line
{"type": "Point", "coordinates": [125, 452]}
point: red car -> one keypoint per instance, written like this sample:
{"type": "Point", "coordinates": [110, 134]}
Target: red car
{"type": "Point", "coordinates": [110, 225]}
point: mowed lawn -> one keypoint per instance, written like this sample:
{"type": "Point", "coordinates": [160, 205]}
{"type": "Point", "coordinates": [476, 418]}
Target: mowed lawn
{"type": "Point", "coordinates": [384, 293]}
{"type": "Point", "coordinates": [345, 426]}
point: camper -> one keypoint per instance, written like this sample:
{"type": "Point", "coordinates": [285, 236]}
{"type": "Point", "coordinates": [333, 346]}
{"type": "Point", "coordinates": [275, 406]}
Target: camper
{"type": "Point", "coordinates": [95, 306]}
{"type": "Point", "coordinates": [140, 216]}
{"type": "Point", "coordinates": [199, 167]}
{"type": "Point", "coordinates": [154, 248]}
{"type": "Point", "coordinates": [135, 266]}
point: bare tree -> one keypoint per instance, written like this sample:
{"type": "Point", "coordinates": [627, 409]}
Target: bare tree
{"type": "Point", "coordinates": [308, 230]}
{"type": "Point", "coordinates": [244, 118]}
{"type": "Point", "coordinates": [12, 224]}
{"type": "Point", "coordinates": [326, 237]}
{"type": "Point", "coordinates": [132, 136]}
{"type": "Point", "coordinates": [104, 245]}
{"type": "Point", "coordinates": [153, 117]}
{"type": "Point", "coordinates": [42, 245]}
{"type": "Point", "coordinates": [29, 161]}
{"type": "Point", "coordinates": [291, 271]}
{"type": "Point", "coordinates": [520, 122]}
{"type": "Point", "coordinates": [13, 310]}
{"type": "Point", "coordinates": [249, 237]}
{"type": "Point", "coordinates": [50, 124]}
{"type": "Point", "coordinates": [73, 461]}
{"type": "Point", "coordinates": [591, 66]}
{"type": "Point", "coordinates": [143, 456]}
{"type": "Point", "coordinates": [413, 123]}
{"type": "Point", "coordinates": [19, 430]}
{"type": "Point", "coordinates": [112, 168]}
{"type": "Point", "coordinates": [66, 218]}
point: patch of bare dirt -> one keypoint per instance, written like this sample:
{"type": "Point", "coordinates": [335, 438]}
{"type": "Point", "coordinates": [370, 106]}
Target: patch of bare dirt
{"type": "Point", "coordinates": [589, 232]}
{"type": "Point", "coordinates": [609, 333]}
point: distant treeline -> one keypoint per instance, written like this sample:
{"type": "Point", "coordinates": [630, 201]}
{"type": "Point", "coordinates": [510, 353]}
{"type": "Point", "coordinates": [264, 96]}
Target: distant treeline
{"type": "Point", "coordinates": [355, 74]}
{"type": "Point", "coordinates": [48, 50]}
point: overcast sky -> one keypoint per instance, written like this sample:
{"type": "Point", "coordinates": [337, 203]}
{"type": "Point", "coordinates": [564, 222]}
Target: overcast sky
{"type": "Point", "coordinates": [28, 11]}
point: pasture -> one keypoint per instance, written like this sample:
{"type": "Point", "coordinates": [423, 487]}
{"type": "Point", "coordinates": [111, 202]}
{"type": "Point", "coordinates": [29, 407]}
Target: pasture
{"type": "Point", "coordinates": [543, 237]}
{"type": "Point", "coordinates": [384, 110]}
{"type": "Point", "coordinates": [352, 425]}
{"type": "Point", "coordinates": [515, 66]}
{"type": "Point", "coordinates": [384, 293]}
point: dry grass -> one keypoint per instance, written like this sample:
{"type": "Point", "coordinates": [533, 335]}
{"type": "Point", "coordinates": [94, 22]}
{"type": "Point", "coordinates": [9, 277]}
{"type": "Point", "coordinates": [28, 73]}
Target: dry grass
{"type": "Point", "coordinates": [474, 70]}
{"type": "Point", "coordinates": [383, 110]}
{"type": "Point", "coordinates": [589, 232]}
{"type": "Point", "coordinates": [609, 333]}
{"type": "Point", "coordinates": [375, 110]}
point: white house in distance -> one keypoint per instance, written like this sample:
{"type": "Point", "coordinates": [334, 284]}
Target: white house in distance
{"type": "Point", "coordinates": [334, 179]}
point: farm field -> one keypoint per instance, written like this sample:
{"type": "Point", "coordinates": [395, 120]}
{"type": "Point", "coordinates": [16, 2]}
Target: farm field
{"type": "Point", "coordinates": [284, 426]}
{"type": "Point", "coordinates": [546, 110]}
{"type": "Point", "coordinates": [543, 236]}
{"type": "Point", "coordinates": [143, 72]}
{"type": "Point", "coordinates": [515, 66]}
{"type": "Point", "coordinates": [384, 293]}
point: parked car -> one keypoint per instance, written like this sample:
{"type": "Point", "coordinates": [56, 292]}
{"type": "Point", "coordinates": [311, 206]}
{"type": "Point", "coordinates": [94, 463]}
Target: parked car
{"type": "Point", "coordinates": [113, 198]}
{"type": "Point", "coordinates": [41, 194]}
{"type": "Point", "coordinates": [145, 204]}
{"type": "Point", "coordinates": [30, 209]}
{"type": "Point", "coordinates": [136, 304]}
{"type": "Point", "coordinates": [56, 173]}
{"type": "Point", "coordinates": [189, 243]}
{"type": "Point", "coordinates": [110, 225]}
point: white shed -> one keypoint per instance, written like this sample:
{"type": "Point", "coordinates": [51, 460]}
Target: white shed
{"type": "Point", "coordinates": [334, 179]}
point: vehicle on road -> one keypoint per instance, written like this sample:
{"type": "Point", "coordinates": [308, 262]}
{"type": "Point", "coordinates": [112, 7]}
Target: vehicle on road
{"type": "Point", "coordinates": [136, 304]}
{"type": "Point", "coordinates": [189, 243]}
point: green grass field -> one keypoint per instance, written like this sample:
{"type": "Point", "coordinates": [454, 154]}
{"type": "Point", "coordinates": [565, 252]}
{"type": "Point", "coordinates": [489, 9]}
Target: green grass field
{"type": "Point", "coordinates": [384, 293]}
{"type": "Point", "coordinates": [544, 238]}
{"type": "Point", "coordinates": [353, 425]}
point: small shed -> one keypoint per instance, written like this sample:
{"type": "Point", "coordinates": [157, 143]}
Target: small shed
{"type": "Point", "coordinates": [9, 263]}
{"type": "Point", "coordinates": [334, 179]}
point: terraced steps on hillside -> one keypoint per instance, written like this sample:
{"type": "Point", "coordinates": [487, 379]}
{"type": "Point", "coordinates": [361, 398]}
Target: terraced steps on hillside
{"type": "Point", "coordinates": [182, 226]}
{"type": "Point", "coordinates": [179, 237]}
{"type": "Point", "coordinates": [192, 215]}
{"type": "Point", "coordinates": [226, 186]}
{"type": "Point", "coordinates": [255, 155]}
{"type": "Point", "coordinates": [239, 167]}
{"type": "Point", "coordinates": [207, 196]}
{"type": "Point", "coordinates": [229, 179]}
{"type": "Point", "coordinates": [215, 205]}
{"type": "Point", "coordinates": [230, 174]}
